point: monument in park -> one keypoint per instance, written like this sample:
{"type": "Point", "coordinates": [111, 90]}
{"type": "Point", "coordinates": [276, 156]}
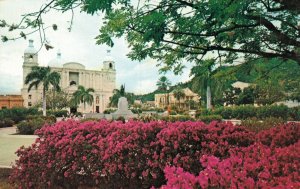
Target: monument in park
{"type": "Point", "coordinates": [123, 110]}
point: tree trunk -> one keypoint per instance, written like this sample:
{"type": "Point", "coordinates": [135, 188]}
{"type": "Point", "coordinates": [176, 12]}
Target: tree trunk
{"type": "Point", "coordinates": [208, 98]}
{"type": "Point", "coordinates": [44, 102]}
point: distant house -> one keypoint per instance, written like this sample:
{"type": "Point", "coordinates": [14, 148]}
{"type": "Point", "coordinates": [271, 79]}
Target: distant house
{"type": "Point", "coordinates": [10, 101]}
{"type": "Point", "coordinates": [240, 85]}
{"type": "Point", "coordinates": [164, 99]}
{"type": "Point", "coordinates": [288, 103]}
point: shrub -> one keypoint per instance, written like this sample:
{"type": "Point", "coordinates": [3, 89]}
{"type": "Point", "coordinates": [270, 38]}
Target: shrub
{"type": "Point", "coordinates": [136, 111]}
{"type": "Point", "coordinates": [259, 125]}
{"type": "Point", "coordinates": [109, 111]}
{"type": "Point", "coordinates": [294, 113]}
{"type": "Point", "coordinates": [272, 162]}
{"type": "Point", "coordinates": [58, 113]}
{"type": "Point", "coordinates": [256, 166]}
{"type": "Point", "coordinates": [89, 119]}
{"type": "Point", "coordinates": [29, 127]}
{"type": "Point", "coordinates": [115, 154]}
{"type": "Point", "coordinates": [78, 114]}
{"type": "Point", "coordinates": [262, 112]}
{"type": "Point", "coordinates": [244, 112]}
{"type": "Point", "coordinates": [225, 112]}
{"type": "Point", "coordinates": [6, 122]}
{"type": "Point", "coordinates": [273, 111]}
{"type": "Point", "coordinates": [17, 114]}
{"type": "Point", "coordinates": [281, 136]}
{"type": "Point", "coordinates": [174, 118]}
{"type": "Point", "coordinates": [34, 123]}
{"type": "Point", "coordinates": [210, 118]}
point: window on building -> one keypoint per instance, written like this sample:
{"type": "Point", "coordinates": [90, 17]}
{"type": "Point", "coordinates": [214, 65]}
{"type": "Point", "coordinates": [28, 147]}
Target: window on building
{"type": "Point", "coordinates": [3, 107]}
{"type": "Point", "coordinates": [29, 96]}
{"type": "Point", "coordinates": [97, 100]}
{"type": "Point", "coordinates": [29, 104]}
{"type": "Point", "coordinates": [110, 65]}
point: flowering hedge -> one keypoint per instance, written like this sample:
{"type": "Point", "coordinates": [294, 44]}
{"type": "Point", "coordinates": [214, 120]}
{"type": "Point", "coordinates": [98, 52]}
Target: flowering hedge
{"type": "Point", "coordinates": [272, 162]}
{"type": "Point", "coordinates": [135, 154]}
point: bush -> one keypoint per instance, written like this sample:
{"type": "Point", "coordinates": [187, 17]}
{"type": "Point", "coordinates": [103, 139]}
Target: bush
{"type": "Point", "coordinates": [294, 113]}
{"type": "Point", "coordinates": [175, 118]}
{"type": "Point", "coordinates": [210, 118]}
{"type": "Point", "coordinates": [58, 113]}
{"type": "Point", "coordinates": [48, 119]}
{"type": "Point", "coordinates": [29, 127]}
{"type": "Point", "coordinates": [6, 122]}
{"type": "Point", "coordinates": [272, 162]}
{"type": "Point", "coordinates": [136, 111]}
{"type": "Point", "coordinates": [89, 119]}
{"type": "Point", "coordinates": [256, 166]}
{"type": "Point", "coordinates": [78, 114]}
{"type": "Point", "coordinates": [34, 123]}
{"type": "Point", "coordinates": [109, 111]}
{"type": "Point", "coordinates": [259, 125]}
{"type": "Point", "coordinates": [273, 111]}
{"type": "Point", "coordinates": [121, 155]}
{"type": "Point", "coordinates": [17, 114]}
{"type": "Point", "coordinates": [262, 112]}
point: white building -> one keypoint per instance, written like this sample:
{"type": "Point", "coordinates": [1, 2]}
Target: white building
{"type": "Point", "coordinates": [73, 74]}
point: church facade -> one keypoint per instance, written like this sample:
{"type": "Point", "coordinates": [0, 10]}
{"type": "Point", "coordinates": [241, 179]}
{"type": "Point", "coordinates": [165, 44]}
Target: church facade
{"type": "Point", "coordinates": [73, 74]}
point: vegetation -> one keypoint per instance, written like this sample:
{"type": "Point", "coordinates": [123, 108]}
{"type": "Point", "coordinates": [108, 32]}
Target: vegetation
{"type": "Point", "coordinates": [173, 31]}
{"type": "Point", "coordinates": [17, 114]}
{"type": "Point", "coordinates": [103, 154]}
{"type": "Point", "coordinates": [44, 76]}
{"type": "Point", "coordinates": [121, 93]}
{"type": "Point", "coordinates": [178, 94]}
{"type": "Point", "coordinates": [83, 95]}
{"type": "Point", "coordinates": [34, 123]}
{"type": "Point", "coordinates": [57, 100]}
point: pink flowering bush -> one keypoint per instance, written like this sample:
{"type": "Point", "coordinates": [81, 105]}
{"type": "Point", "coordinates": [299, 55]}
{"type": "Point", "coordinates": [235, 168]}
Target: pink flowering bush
{"type": "Point", "coordinates": [106, 154]}
{"type": "Point", "coordinates": [269, 165]}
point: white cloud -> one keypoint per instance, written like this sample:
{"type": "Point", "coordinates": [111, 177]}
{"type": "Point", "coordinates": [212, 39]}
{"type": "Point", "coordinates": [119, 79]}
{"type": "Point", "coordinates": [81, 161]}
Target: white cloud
{"type": "Point", "coordinates": [77, 45]}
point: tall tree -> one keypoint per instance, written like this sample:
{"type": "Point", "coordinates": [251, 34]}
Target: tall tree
{"type": "Point", "coordinates": [84, 96]}
{"type": "Point", "coordinates": [163, 85]}
{"type": "Point", "coordinates": [172, 31]}
{"type": "Point", "coordinates": [57, 100]}
{"type": "Point", "coordinates": [121, 93]}
{"type": "Point", "coordinates": [44, 76]}
{"type": "Point", "coordinates": [204, 72]}
{"type": "Point", "coordinates": [178, 94]}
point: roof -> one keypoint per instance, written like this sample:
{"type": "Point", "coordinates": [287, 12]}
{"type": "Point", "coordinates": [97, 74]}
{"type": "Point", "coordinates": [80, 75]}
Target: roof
{"type": "Point", "coordinates": [74, 65]}
{"type": "Point", "coordinates": [240, 85]}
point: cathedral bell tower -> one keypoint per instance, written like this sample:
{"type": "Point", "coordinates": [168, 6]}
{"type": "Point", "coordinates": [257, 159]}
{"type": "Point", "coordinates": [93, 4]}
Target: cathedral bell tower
{"type": "Point", "coordinates": [30, 59]}
{"type": "Point", "coordinates": [108, 63]}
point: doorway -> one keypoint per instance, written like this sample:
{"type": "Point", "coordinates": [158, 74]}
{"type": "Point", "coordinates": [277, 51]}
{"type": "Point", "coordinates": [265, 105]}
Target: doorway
{"type": "Point", "coordinates": [97, 109]}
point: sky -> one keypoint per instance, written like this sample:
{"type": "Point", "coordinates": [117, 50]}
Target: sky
{"type": "Point", "coordinates": [79, 45]}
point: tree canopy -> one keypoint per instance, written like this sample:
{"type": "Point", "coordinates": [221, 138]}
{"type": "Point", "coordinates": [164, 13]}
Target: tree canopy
{"type": "Point", "coordinates": [173, 31]}
{"type": "Point", "coordinates": [44, 76]}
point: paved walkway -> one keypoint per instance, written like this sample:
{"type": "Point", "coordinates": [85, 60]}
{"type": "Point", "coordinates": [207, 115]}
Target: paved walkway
{"type": "Point", "coordinates": [10, 143]}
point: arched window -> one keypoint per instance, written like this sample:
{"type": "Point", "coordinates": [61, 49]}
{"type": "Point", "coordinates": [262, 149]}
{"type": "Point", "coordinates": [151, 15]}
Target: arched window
{"type": "Point", "coordinates": [110, 65]}
{"type": "Point", "coordinates": [97, 100]}
{"type": "Point", "coordinates": [72, 83]}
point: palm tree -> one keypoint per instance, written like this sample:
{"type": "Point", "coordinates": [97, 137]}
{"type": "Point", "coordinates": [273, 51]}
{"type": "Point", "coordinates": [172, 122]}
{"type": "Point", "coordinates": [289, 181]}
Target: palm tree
{"type": "Point", "coordinates": [163, 84]}
{"type": "Point", "coordinates": [44, 76]}
{"type": "Point", "coordinates": [191, 103]}
{"type": "Point", "coordinates": [83, 95]}
{"type": "Point", "coordinates": [178, 94]}
{"type": "Point", "coordinates": [204, 72]}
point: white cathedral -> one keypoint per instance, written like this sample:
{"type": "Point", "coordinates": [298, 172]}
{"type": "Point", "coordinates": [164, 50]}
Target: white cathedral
{"type": "Point", "coordinates": [73, 74]}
